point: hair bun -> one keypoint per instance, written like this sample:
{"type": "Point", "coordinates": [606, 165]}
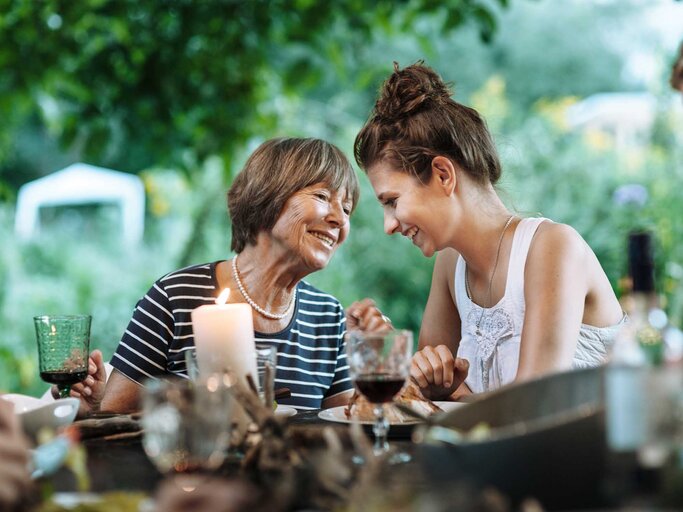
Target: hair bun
{"type": "Point", "coordinates": [410, 90]}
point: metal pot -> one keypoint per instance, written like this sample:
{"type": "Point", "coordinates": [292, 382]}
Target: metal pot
{"type": "Point", "coordinates": [545, 439]}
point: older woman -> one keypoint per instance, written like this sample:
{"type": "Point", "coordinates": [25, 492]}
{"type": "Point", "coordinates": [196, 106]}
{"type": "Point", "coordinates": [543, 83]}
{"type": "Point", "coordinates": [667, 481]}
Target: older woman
{"type": "Point", "coordinates": [290, 209]}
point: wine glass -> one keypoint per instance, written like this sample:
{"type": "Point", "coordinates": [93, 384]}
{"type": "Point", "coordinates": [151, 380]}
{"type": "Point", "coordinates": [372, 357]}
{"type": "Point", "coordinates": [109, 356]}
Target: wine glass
{"type": "Point", "coordinates": [63, 349]}
{"type": "Point", "coordinates": [187, 426]}
{"type": "Point", "coordinates": [379, 365]}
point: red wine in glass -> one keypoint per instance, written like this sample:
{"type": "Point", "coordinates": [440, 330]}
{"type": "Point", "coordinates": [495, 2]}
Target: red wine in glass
{"type": "Point", "coordinates": [379, 364]}
{"type": "Point", "coordinates": [64, 378]}
{"type": "Point", "coordinates": [379, 387]}
{"type": "Point", "coordinates": [63, 348]}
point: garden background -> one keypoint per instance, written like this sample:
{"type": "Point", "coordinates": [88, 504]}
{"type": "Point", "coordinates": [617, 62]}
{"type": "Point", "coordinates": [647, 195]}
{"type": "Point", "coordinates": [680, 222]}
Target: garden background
{"type": "Point", "coordinates": [179, 92]}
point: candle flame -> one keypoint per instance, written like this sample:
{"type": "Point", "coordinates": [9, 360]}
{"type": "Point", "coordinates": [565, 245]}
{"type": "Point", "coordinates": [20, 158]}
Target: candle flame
{"type": "Point", "coordinates": [223, 297]}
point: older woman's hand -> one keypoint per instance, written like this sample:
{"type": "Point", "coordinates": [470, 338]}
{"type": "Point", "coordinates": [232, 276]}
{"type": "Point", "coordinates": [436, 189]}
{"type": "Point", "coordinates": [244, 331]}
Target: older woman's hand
{"type": "Point", "coordinates": [91, 391]}
{"type": "Point", "coordinates": [364, 315]}
{"type": "Point", "coordinates": [437, 372]}
{"type": "Point", "coordinates": [14, 477]}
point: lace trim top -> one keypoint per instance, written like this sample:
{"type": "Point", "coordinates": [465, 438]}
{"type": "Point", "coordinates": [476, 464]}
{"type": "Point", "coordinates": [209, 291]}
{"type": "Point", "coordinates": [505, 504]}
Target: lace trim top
{"type": "Point", "coordinates": [494, 353]}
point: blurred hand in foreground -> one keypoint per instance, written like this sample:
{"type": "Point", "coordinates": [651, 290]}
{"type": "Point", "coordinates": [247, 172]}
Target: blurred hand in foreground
{"type": "Point", "coordinates": [437, 372]}
{"type": "Point", "coordinates": [364, 315]}
{"type": "Point", "coordinates": [210, 495]}
{"type": "Point", "coordinates": [91, 391]}
{"type": "Point", "coordinates": [14, 476]}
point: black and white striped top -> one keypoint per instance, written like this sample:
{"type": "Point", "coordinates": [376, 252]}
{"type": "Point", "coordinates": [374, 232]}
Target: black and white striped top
{"type": "Point", "coordinates": [311, 353]}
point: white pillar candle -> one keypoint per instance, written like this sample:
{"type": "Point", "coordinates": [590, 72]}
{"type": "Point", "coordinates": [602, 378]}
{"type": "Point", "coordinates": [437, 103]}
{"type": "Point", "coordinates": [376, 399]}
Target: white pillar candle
{"type": "Point", "coordinates": [224, 339]}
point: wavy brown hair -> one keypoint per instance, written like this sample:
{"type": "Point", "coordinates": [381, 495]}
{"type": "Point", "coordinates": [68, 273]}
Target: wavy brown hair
{"type": "Point", "coordinates": [415, 119]}
{"type": "Point", "coordinates": [273, 173]}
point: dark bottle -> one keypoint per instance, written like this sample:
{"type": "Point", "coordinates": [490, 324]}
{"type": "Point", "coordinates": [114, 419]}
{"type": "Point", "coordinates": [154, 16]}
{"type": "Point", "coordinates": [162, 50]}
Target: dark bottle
{"type": "Point", "coordinates": [644, 312]}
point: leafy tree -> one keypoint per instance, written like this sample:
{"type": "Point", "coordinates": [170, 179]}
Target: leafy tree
{"type": "Point", "coordinates": [136, 83]}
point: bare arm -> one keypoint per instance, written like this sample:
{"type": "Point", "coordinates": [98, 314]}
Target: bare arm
{"type": "Point", "coordinates": [338, 399]}
{"type": "Point", "coordinates": [435, 369]}
{"type": "Point", "coordinates": [556, 282]}
{"type": "Point", "coordinates": [441, 322]}
{"type": "Point", "coordinates": [121, 395]}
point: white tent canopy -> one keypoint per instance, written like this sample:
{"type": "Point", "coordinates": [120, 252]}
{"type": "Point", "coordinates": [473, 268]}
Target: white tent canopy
{"type": "Point", "coordinates": [83, 184]}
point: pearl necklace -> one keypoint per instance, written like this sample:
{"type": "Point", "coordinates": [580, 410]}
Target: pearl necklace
{"type": "Point", "coordinates": [495, 267]}
{"type": "Point", "coordinates": [250, 301]}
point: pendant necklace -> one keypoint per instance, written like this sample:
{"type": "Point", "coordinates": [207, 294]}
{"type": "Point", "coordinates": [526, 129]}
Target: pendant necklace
{"type": "Point", "coordinates": [493, 273]}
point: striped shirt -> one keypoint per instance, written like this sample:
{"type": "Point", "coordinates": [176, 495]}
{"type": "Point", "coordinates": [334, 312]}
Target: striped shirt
{"type": "Point", "coordinates": [311, 358]}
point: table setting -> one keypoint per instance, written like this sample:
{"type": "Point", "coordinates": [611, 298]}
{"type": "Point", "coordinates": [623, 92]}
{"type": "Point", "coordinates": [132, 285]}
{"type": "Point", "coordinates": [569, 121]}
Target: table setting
{"type": "Point", "coordinates": [223, 428]}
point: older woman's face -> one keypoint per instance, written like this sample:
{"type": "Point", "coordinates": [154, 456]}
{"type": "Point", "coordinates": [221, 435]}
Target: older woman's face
{"type": "Point", "coordinates": [313, 223]}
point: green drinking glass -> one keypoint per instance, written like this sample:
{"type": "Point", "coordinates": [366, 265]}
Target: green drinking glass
{"type": "Point", "coordinates": [63, 349]}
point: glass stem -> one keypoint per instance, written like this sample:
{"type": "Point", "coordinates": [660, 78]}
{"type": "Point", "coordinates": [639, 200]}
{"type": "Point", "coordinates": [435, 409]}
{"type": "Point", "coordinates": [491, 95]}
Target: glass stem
{"type": "Point", "coordinates": [64, 391]}
{"type": "Point", "coordinates": [380, 429]}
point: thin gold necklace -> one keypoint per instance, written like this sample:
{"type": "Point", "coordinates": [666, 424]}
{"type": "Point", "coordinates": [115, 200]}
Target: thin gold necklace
{"type": "Point", "coordinates": [493, 273]}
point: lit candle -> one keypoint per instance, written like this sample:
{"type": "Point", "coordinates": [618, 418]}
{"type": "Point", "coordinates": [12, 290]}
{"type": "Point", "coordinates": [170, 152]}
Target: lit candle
{"type": "Point", "coordinates": [224, 338]}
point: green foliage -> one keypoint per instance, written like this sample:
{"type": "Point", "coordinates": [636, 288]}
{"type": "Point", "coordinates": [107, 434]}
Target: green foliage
{"type": "Point", "coordinates": [62, 272]}
{"type": "Point", "coordinates": [181, 92]}
{"type": "Point", "coordinates": [139, 83]}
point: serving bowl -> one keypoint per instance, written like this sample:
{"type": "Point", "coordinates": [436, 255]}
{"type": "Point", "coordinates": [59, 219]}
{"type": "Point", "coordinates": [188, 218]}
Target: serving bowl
{"type": "Point", "coordinates": [36, 413]}
{"type": "Point", "coordinates": [543, 438]}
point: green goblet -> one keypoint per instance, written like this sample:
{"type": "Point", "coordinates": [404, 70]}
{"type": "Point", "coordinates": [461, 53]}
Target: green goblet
{"type": "Point", "coordinates": [63, 348]}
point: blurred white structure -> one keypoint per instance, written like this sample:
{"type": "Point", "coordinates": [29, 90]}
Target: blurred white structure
{"type": "Point", "coordinates": [627, 116]}
{"type": "Point", "coordinates": [83, 184]}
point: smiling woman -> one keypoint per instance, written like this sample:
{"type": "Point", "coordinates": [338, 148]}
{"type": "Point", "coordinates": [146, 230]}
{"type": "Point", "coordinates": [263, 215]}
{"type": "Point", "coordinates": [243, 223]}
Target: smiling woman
{"type": "Point", "coordinates": [511, 298]}
{"type": "Point", "coordinates": [290, 209]}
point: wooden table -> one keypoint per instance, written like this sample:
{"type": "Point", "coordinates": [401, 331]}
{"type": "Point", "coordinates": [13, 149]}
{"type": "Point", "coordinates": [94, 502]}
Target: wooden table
{"type": "Point", "coordinates": [122, 464]}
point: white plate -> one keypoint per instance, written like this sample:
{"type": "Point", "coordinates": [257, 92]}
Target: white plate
{"type": "Point", "coordinates": [36, 413]}
{"type": "Point", "coordinates": [284, 411]}
{"type": "Point", "coordinates": [450, 406]}
{"type": "Point", "coordinates": [337, 415]}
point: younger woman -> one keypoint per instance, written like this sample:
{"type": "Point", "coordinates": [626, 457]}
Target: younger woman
{"type": "Point", "coordinates": [513, 298]}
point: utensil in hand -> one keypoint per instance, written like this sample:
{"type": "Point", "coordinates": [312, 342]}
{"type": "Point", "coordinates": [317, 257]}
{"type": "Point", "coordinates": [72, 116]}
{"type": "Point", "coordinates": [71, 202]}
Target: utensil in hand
{"type": "Point", "coordinates": [379, 365]}
{"type": "Point", "coordinates": [63, 349]}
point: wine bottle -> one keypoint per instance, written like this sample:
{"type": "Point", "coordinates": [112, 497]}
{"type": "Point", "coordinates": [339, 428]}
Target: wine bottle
{"type": "Point", "coordinates": [637, 346]}
{"type": "Point", "coordinates": [647, 317]}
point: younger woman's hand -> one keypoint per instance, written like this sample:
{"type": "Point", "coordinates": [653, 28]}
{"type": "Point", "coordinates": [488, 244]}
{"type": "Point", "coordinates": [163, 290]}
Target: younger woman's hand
{"type": "Point", "coordinates": [438, 372]}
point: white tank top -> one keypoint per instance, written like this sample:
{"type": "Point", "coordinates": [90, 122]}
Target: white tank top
{"type": "Point", "coordinates": [494, 354]}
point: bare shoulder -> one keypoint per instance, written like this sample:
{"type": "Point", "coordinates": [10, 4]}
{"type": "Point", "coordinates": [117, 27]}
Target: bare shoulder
{"type": "Point", "coordinates": [558, 242]}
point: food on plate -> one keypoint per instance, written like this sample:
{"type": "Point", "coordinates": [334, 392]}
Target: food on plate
{"type": "Point", "coordinates": [359, 407]}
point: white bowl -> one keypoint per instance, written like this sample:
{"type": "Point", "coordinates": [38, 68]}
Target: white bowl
{"type": "Point", "coordinates": [36, 413]}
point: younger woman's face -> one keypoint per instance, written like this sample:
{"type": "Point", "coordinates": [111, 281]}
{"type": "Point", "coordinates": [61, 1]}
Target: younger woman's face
{"type": "Point", "coordinates": [411, 208]}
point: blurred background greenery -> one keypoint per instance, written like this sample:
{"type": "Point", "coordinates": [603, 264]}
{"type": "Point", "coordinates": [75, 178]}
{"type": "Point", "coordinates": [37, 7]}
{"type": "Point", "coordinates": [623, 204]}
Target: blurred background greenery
{"type": "Point", "coordinates": [178, 92]}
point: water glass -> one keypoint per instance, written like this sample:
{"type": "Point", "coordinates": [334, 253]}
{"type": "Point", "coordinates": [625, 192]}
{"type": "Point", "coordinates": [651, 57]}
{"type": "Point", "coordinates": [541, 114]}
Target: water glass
{"type": "Point", "coordinates": [187, 424]}
{"type": "Point", "coordinates": [266, 363]}
{"type": "Point", "coordinates": [63, 349]}
{"type": "Point", "coordinates": [191, 365]}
